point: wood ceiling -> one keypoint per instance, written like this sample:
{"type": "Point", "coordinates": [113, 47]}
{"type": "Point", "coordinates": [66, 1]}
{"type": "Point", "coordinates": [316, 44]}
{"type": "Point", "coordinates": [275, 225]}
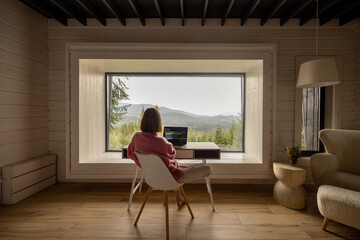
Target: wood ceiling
{"type": "Point", "coordinates": [305, 10]}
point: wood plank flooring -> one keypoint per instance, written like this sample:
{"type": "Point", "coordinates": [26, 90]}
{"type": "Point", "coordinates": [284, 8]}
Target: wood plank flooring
{"type": "Point", "coordinates": [95, 211]}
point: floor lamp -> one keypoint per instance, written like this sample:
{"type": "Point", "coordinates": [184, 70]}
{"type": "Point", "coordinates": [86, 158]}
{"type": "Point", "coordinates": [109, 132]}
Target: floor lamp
{"type": "Point", "coordinates": [320, 72]}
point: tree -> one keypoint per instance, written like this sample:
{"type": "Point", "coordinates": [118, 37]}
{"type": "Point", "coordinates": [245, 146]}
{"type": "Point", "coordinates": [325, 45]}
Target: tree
{"type": "Point", "coordinates": [218, 138]}
{"type": "Point", "coordinates": [238, 135]}
{"type": "Point", "coordinates": [141, 115]}
{"type": "Point", "coordinates": [232, 133]}
{"type": "Point", "coordinates": [118, 94]}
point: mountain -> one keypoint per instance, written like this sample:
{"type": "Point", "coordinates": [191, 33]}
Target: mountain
{"type": "Point", "coordinates": [135, 109]}
{"type": "Point", "coordinates": [171, 117]}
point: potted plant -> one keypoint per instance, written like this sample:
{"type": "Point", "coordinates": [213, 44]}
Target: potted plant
{"type": "Point", "coordinates": [293, 153]}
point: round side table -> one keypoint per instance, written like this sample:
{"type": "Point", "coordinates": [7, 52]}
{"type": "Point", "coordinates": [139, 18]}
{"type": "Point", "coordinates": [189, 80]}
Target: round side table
{"type": "Point", "coordinates": [288, 190]}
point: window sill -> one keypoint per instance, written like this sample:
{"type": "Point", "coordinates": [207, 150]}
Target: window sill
{"type": "Point", "coordinates": [226, 158]}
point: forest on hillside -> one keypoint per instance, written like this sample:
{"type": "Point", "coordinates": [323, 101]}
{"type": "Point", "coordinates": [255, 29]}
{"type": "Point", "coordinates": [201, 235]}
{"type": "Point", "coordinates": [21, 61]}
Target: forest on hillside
{"type": "Point", "coordinates": [228, 139]}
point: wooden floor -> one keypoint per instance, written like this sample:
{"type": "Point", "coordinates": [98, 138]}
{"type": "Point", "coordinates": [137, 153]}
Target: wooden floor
{"type": "Point", "coordinates": [77, 211]}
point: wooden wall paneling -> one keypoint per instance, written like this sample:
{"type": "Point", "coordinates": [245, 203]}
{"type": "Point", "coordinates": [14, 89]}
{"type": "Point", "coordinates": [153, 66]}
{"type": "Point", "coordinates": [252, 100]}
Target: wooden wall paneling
{"type": "Point", "coordinates": [21, 157]}
{"type": "Point", "coordinates": [56, 86]}
{"type": "Point", "coordinates": [23, 50]}
{"type": "Point", "coordinates": [15, 124]}
{"type": "Point", "coordinates": [25, 13]}
{"type": "Point", "coordinates": [10, 150]}
{"type": "Point", "coordinates": [14, 72]}
{"type": "Point", "coordinates": [13, 85]}
{"type": "Point", "coordinates": [57, 136]}
{"type": "Point", "coordinates": [20, 111]}
{"type": "Point", "coordinates": [57, 146]}
{"type": "Point", "coordinates": [57, 105]}
{"type": "Point", "coordinates": [26, 62]}
{"type": "Point", "coordinates": [57, 126]}
{"type": "Point", "coordinates": [357, 83]}
{"type": "Point", "coordinates": [55, 53]}
{"type": "Point", "coordinates": [291, 40]}
{"type": "Point", "coordinates": [22, 99]}
{"type": "Point", "coordinates": [57, 64]}
{"type": "Point", "coordinates": [56, 95]}
{"type": "Point", "coordinates": [56, 115]}
{"type": "Point", "coordinates": [22, 136]}
{"type": "Point", "coordinates": [23, 25]}
{"type": "Point", "coordinates": [25, 38]}
{"type": "Point", "coordinates": [56, 75]}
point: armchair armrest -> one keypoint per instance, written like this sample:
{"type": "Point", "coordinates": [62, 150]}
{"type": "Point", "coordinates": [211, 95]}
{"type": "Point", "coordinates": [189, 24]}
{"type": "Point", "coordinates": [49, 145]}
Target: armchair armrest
{"type": "Point", "coordinates": [321, 163]}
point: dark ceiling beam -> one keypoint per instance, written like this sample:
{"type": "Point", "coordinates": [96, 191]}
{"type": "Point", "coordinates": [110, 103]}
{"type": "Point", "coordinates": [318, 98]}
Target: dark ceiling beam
{"type": "Point", "coordinates": [323, 6]}
{"type": "Point", "coordinates": [182, 13]}
{"type": "Point", "coordinates": [206, 4]}
{"type": "Point", "coordinates": [271, 11]}
{"type": "Point", "coordinates": [158, 9]}
{"type": "Point", "coordinates": [338, 10]}
{"type": "Point", "coordinates": [249, 11]}
{"type": "Point", "coordinates": [115, 11]}
{"type": "Point", "coordinates": [229, 5]}
{"type": "Point", "coordinates": [349, 16]}
{"type": "Point", "coordinates": [65, 7]}
{"type": "Point", "coordinates": [295, 10]}
{"type": "Point", "coordinates": [137, 11]}
{"type": "Point", "coordinates": [46, 9]}
{"type": "Point", "coordinates": [92, 10]}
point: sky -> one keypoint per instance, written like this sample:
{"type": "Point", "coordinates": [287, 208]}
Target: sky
{"type": "Point", "coordinates": [195, 94]}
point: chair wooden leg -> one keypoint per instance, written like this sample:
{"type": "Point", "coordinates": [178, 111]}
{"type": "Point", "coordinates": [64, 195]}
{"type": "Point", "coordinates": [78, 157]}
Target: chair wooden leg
{"type": "Point", "coordinates": [325, 223]}
{"type": "Point", "coordinates": [143, 205]}
{"type": "Point", "coordinates": [167, 214]}
{"type": "Point", "coordinates": [186, 201]}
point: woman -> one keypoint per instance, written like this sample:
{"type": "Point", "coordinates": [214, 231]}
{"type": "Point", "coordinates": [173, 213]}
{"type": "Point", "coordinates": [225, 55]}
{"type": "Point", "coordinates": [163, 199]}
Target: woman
{"type": "Point", "coordinates": [148, 142]}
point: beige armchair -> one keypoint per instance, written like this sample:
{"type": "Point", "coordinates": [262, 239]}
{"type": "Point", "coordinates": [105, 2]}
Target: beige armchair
{"type": "Point", "coordinates": [337, 173]}
{"type": "Point", "coordinates": [340, 165]}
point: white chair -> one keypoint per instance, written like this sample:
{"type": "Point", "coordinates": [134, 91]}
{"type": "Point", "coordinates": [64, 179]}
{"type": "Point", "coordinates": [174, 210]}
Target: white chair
{"type": "Point", "coordinates": [134, 187]}
{"type": "Point", "coordinates": [158, 177]}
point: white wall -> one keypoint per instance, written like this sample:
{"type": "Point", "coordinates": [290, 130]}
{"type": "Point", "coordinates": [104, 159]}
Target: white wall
{"type": "Point", "coordinates": [254, 111]}
{"type": "Point", "coordinates": [23, 83]}
{"type": "Point", "coordinates": [91, 112]}
{"type": "Point", "coordinates": [291, 41]}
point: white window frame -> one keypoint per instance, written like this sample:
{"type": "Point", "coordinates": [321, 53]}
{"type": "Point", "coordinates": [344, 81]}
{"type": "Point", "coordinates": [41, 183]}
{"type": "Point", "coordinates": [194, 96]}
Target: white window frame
{"type": "Point", "coordinates": [241, 76]}
{"type": "Point", "coordinates": [124, 170]}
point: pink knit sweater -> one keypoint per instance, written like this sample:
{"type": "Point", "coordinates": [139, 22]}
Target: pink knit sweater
{"type": "Point", "coordinates": [151, 143]}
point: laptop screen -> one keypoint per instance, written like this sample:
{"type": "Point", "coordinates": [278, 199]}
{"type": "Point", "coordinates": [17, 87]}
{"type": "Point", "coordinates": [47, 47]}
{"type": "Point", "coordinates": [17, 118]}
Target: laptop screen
{"type": "Point", "coordinates": [176, 135]}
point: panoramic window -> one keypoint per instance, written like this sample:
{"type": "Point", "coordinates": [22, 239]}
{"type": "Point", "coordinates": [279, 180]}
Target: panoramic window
{"type": "Point", "coordinates": [313, 120]}
{"type": "Point", "coordinates": [210, 105]}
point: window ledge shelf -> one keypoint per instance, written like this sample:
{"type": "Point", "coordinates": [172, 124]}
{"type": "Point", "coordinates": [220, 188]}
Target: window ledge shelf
{"type": "Point", "coordinates": [226, 158]}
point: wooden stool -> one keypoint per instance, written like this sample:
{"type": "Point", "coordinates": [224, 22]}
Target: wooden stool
{"type": "Point", "coordinates": [288, 190]}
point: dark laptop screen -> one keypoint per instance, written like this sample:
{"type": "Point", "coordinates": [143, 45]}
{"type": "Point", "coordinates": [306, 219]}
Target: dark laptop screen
{"type": "Point", "coordinates": [176, 135]}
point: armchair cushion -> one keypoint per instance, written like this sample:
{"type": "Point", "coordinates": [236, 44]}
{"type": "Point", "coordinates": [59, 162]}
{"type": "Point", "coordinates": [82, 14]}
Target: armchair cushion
{"type": "Point", "coordinates": [342, 179]}
{"type": "Point", "coordinates": [340, 165]}
{"type": "Point", "coordinates": [321, 163]}
{"type": "Point", "coordinates": [345, 145]}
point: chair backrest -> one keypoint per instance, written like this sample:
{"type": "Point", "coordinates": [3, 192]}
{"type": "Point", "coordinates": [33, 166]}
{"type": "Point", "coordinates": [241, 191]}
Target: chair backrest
{"type": "Point", "coordinates": [157, 175]}
{"type": "Point", "coordinates": [345, 145]}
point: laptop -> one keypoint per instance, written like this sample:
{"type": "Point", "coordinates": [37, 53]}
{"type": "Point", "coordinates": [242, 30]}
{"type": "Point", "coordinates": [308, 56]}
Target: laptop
{"type": "Point", "coordinates": [176, 135]}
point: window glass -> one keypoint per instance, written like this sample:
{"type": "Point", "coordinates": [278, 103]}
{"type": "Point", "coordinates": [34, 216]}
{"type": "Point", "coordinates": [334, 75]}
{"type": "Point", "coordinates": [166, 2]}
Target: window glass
{"type": "Point", "coordinates": [311, 114]}
{"type": "Point", "coordinates": [210, 105]}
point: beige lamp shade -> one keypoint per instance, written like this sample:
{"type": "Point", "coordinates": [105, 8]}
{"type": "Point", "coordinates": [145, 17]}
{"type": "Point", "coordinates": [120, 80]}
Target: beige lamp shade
{"type": "Point", "coordinates": [318, 73]}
